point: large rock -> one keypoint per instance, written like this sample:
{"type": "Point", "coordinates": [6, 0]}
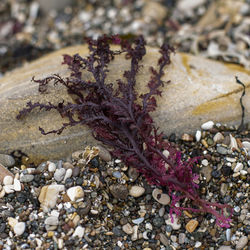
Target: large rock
{"type": "Point", "coordinates": [200, 90]}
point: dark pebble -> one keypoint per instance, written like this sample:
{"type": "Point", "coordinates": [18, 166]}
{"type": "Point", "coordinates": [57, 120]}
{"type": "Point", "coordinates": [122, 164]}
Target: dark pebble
{"type": "Point", "coordinates": [84, 210]}
{"type": "Point", "coordinates": [169, 228]}
{"type": "Point", "coordinates": [79, 181]}
{"type": "Point", "coordinates": [76, 171]}
{"type": "Point", "coordinates": [172, 137]}
{"type": "Point", "coordinates": [216, 174]}
{"type": "Point", "coordinates": [2, 227]}
{"type": "Point", "coordinates": [69, 183]}
{"type": "Point", "coordinates": [158, 221]}
{"type": "Point", "coordinates": [21, 197]}
{"type": "Point", "coordinates": [3, 235]}
{"type": "Point", "coordinates": [226, 171]}
{"type": "Point", "coordinates": [95, 162]}
{"type": "Point", "coordinates": [226, 199]}
{"type": "Point", "coordinates": [117, 231]}
{"type": "Point", "coordinates": [246, 230]}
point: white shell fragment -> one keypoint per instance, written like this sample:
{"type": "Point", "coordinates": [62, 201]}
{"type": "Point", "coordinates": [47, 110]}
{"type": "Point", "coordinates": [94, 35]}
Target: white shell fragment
{"type": "Point", "coordinates": [160, 197]}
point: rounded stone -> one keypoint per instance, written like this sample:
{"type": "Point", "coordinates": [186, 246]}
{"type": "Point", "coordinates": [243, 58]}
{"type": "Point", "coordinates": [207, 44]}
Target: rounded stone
{"type": "Point", "coordinates": [207, 125]}
{"type": "Point", "coordinates": [59, 174]}
{"type": "Point", "coordinates": [19, 228]}
{"type": "Point", "coordinates": [127, 228]}
{"type": "Point", "coordinates": [75, 193]}
{"type": "Point", "coordinates": [8, 180]}
{"type": "Point", "coordinates": [191, 225]}
{"type": "Point", "coordinates": [242, 242]}
{"type": "Point", "coordinates": [26, 178]}
{"type": "Point", "coordinates": [52, 221]}
{"type": "Point", "coordinates": [136, 191]}
{"type": "Point", "coordinates": [52, 167]}
{"type": "Point", "coordinates": [7, 160]}
{"type": "Point", "coordinates": [119, 191]}
{"type": "Point", "coordinates": [79, 232]}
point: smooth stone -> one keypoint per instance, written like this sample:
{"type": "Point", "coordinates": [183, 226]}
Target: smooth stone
{"type": "Point", "coordinates": [56, 5]}
{"type": "Point", "coordinates": [218, 137]}
{"type": "Point", "coordinates": [68, 174]}
{"type": "Point", "coordinates": [233, 143]}
{"type": "Point", "coordinates": [181, 238]}
{"type": "Point", "coordinates": [104, 154]}
{"type": "Point", "coordinates": [133, 173]}
{"type": "Point", "coordinates": [136, 191]}
{"type": "Point", "coordinates": [246, 145]}
{"type": "Point", "coordinates": [138, 220]}
{"type": "Point", "coordinates": [7, 160]}
{"type": "Point", "coordinates": [163, 239]}
{"type": "Point", "coordinates": [19, 228]}
{"type": "Point", "coordinates": [242, 242]}
{"type": "Point", "coordinates": [160, 197]}
{"type": "Point", "coordinates": [48, 195]}
{"type": "Point", "coordinates": [4, 172]}
{"type": "Point", "coordinates": [175, 225]}
{"type": "Point", "coordinates": [75, 193]}
{"type": "Point", "coordinates": [207, 125]}
{"type": "Point", "coordinates": [52, 221]}
{"type": "Point", "coordinates": [8, 180]}
{"type": "Point", "coordinates": [191, 225]}
{"type": "Point", "coordinates": [222, 150]}
{"type": "Point", "coordinates": [117, 174]}
{"type": "Point", "coordinates": [119, 191]}
{"type": "Point", "coordinates": [59, 174]}
{"type": "Point", "coordinates": [27, 178]}
{"type": "Point", "coordinates": [79, 231]}
{"type": "Point", "coordinates": [238, 167]}
{"type": "Point", "coordinates": [198, 135]}
{"type": "Point", "coordinates": [182, 107]}
{"type": "Point", "coordinates": [127, 228]}
{"type": "Point", "coordinates": [52, 167]}
{"type": "Point", "coordinates": [9, 189]}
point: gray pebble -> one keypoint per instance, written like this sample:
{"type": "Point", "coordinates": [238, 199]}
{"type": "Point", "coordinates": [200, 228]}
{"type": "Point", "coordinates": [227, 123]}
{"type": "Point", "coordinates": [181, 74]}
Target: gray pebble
{"type": "Point", "coordinates": [27, 178]}
{"type": "Point", "coordinates": [7, 160]}
{"type": "Point", "coordinates": [119, 191]}
{"type": "Point", "coordinates": [222, 150]}
{"type": "Point", "coordinates": [59, 174]}
{"type": "Point", "coordinates": [181, 238]}
{"type": "Point", "coordinates": [242, 242]}
{"type": "Point", "coordinates": [52, 221]}
{"type": "Point", "coordinates": [117, 174]}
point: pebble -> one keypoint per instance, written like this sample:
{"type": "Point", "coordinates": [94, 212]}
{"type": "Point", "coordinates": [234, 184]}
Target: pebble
{"type": "Point", "coordinates": [119, 191]}
{"type": "Point", "coordinates": [222, 150]}
{"type": "Point", "coordinates": [207, 171]}
{"type": "Point", "coordinates": [163, 239]}
{"type": "Point", "coordinates": [117, 174]}
{"type": "Point", "coordinates": [79, 232]}
{"type": "Point", "coordinates": [160, 197]}
{"type": "Point", "coordinates": [4, 172]}
{"type": "Point", "coordinates": [246, 145]}
{"type": "Point", "coordinates": [218, 138]}
{"type": "Point", "coordinates": [127, 228]}
{"type": "Point", "coordinates": [204, 162]}
{"type": "Point", "coordinates": [225, 248]}
{"type": "Point", "coordinates": [181, 238]}
{"type": "Point", "coordinates": [207, 125]}
{"type": "Point", "coordinates": [134, 235]}
{"type": "Point", "coordinates": [187, 137]}
{"type": "Point", "coordinates": [228, 234]}
{"type": "Point", "coordinates": [138, 220]}
{"type": "Point", "coordinates": [19, 228]}
{"type": "Point", "coordinates": [198, 135]}
{"type": "Point", "coordinates": [104, 154]}
{"type": "Point", "coordinates": [191, 225]}
{"type": "Point", "coordinates": [223, 189]}
{"type": "Point", "coordinates": [242, 242]}
{"type": "Point", "coordinates": [238, 167]}
{"type": "Point", "coordinates": [133, 174]}
{"type": "Point", "coordinates": [8, 180]}
{"type": "Point", "coordinates": [76, 171]}
{"type": "Point", "coordinates": [233, 143]}
{"type": "Point", "coordinates": [48, 195]}
{"type": "Point", "coordinates": [27, 178]}
{"type": "Point", "coordinates": [136, 191]}
{"type": "Point", "coordinates": [59, 174]}
{"type": "Point", "coordinates": [7, 160]}
{"type": "Point", "coordinates": [17, 185]}
{"type": "Point", "coordinates": [52, 221]}
{"type": "Point", "coordinates": [52, 167]}
{"type": "Point", "coordinates": [9, 189]}
{"type": "Point", "coordinates": [175, 224]}
{"type": "Point", "coordinates": [68, 174]}
{"type": "Point", "coordinates": [75, 193]}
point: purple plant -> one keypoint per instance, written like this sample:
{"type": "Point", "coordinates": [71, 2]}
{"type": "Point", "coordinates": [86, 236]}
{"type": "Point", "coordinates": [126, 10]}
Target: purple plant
{"type": "Point", "coordinates": [119, 118]}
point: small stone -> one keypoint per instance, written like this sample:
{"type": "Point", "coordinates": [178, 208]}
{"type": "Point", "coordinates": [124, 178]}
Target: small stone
{"type": "Point", "coordinates": [2, 193]}
{"type": "Point", "coordinates": [76, 171]}
{"type": "Point", "coordinates": [187, 137]}
{"type": "Point", "coordinates": [8, 180]}
{"type": "Point", "coordinates": [136, 191]}
{"type": "Point", "coordinates": [246, 145]}
{"type": "Point", "coordinates": [228, 234]}
{"type": "Point", "coordinates": [4, 172]}
{"type": "Point", "coordinates": [79, 232]}
{"type": "Point", "coordinates": [9, 189]}
{"type": "Point", "coordinates": [242, 242]}
{"type": "Point", "coordinates": [223, 189]}
{"type": "Point", "coordinates": [233, 143]}
{"type": "Point", "coordinates": [127, 228]}
{"type": "Point", "coordinates": [198, 135]}
{"type": "Point", "coordinates": [191, 225]}
{"type": "Point", "coordinates": [48, 195]}
{"type": "Point", "coordinates": [160, 197]}
{"type": "Point", "coordinates": [59, 174]}
{"type": "Point", "coordinates": [164, 239]}
{"type": "Point", "coordinates": [68, 174]}
{"type": "Point", "coordinates": [19, 228]}
{"type": "Point", "coordinates": [119, 191]}
{"type": "Point", "coordinates": [104, 154]}
{"type": "Point", "coordinates": [134, 236]}
{"type": "Point", "coordinates": [117, 174]}
{"type": "Point", "coordinates": [222, 150]}
{"type": "Point", "coordinates": [17, 185]}
{"type": "Point", "coordinates": [133, 174]}
{"type": "Point", "coordinates": [12, 222]}
{"type": "Point", "coordinates": [52, 167]}
{"type": "Point", "coordinates": [238, 167]}
{"type": "Point", "coordinates": [181, 238]}
{"type": "Point", "coordinates": [7, 160]}
{"type": "Point", "coordinates": [75, 193]}
{"type": "Point", "coordinates": [27, 178]}
{"type": "Point", "coordinates": [175, 225]}
{"type": "Point", "coordinates": [138, 221]}
{"type": "Point", "coordinates": [207, 125]}
{"type": "Point", "coordinates": [204, 162]}
{"type": "Point", "coordinates": [52, 221]}
{"type": "Point", "coordinates": [218, 138]}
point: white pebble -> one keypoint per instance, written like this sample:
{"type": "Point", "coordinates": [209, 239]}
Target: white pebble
{"type": "Point", "coordinates": [204, 162]}
{"type": "Point", "coordinates": [166, 153]}
{"type": "Point", "coordinates": [17, 185]}
{"type": "Point", "coordinates": [198, 135]}
{"type": "Point", "coordinates": [52, 221]}
{"type": "Point", "coordinates": [207, 125]}
{"type": "Point", "coordinates": [218, 137]}
{"type": "Point", "coordinates": [160, 197]}
{"type": "Point", "coordinates": [134, 236]}
{"type": "Point", "coordinates": [175, 225]}
{"type": "Point", "coordinates": [8, 180]}
{"type": "Point", "coordinates": [243, 172]}
{"type": "Point", "coordinates": [9, 189]}
{"type": "Point", "coordinates": [246, 145]}
{"type": "Point", "coordinates": [149, 226]}
{"type": "Point", "coordinates": [60, 243]}
{"type": "Point", "coordinates": [136, 191]}
{"type": "Point", "coordinates": [68, 174]}
{"type": "Point", "coordinates": [75, 193]}
{"type": "Point", "coordinates": [79, 231]}
{"type": "Point", "coordinates": [19, 228]}
{"type": "Point", "coordinates": [59, 174]}
{"type": "Point", "coordinates": [127, 228]}
{"type": "Point", "coordinates": [52, 167]}
{"type": "Point", "coordinates": [238, 167]}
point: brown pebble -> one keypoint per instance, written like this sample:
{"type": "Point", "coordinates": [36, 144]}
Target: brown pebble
{"type": "Point", "coordinates": [191, 225]}
{"type": "Point", "coordinates": [204, 143]}
{"type": "Point", "coordinates": [187, 137]}
{"type": "Point", "coordinates": [76, 171]}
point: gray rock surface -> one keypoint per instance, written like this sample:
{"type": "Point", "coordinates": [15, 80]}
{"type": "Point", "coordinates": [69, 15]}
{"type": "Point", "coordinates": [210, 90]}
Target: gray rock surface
{"type": "Point", "coordinates": [200, 90]}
